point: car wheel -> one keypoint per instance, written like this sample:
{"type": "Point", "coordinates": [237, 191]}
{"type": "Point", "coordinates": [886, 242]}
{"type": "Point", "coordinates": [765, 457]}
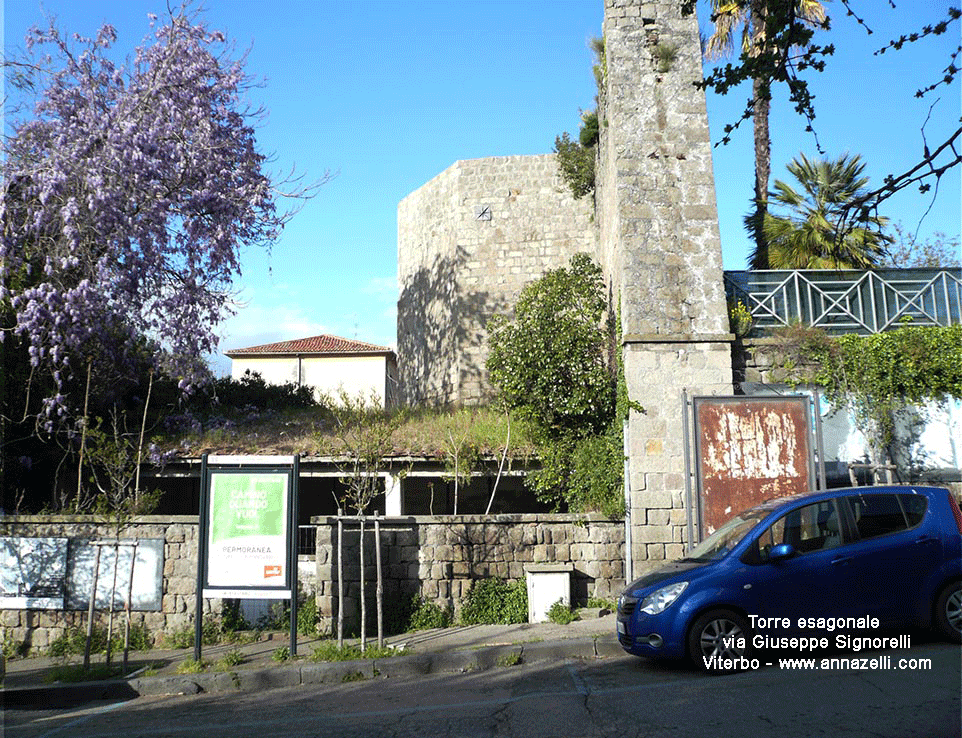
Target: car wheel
{"type": "Point", "coordinates": [719, 642]}
{"type": "Point", "coordinates": [948, 612]}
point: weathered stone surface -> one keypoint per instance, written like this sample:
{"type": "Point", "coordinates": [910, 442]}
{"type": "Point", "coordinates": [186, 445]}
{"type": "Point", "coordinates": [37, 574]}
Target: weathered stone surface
{"type": "Point", "coordinates": [457, 267]}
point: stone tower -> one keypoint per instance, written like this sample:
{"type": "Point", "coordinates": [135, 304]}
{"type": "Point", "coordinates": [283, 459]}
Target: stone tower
{"type": "Point", "coordinates": [468, 242]}
{"type": "Point", "coordinates": [659, 245]}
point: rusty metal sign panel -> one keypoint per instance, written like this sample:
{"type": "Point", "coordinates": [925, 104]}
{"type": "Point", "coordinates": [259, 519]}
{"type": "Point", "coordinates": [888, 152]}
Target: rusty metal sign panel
{"type": "Point", "coordinates": [750, 449]}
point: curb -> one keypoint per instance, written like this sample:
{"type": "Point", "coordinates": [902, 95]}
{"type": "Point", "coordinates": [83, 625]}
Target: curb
{"type": "Point", "coordinates": [333, 672]}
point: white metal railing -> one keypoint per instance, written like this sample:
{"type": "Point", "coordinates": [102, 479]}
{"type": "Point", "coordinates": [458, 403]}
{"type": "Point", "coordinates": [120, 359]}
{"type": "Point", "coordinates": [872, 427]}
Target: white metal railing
{"type": "Point", "coordinates": [849, 301]}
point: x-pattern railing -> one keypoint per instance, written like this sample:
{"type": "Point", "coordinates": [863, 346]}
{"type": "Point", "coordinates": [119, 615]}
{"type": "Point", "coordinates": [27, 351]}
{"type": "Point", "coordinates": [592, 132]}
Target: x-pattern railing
{"type": "Point", "coordinates": [849, 301]}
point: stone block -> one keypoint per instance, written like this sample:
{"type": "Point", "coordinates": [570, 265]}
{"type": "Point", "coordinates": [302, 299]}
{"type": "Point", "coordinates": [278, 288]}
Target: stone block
{"type": "Point", "coordinates": [658, 516]}
{"type": "Point", "coordinates": [674, 551]}
{"type": "Point", "coordinates": [652, 534]}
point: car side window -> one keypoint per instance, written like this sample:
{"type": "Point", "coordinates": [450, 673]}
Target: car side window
{"type": "Point", "coordinates": [814, 527]}
{"type": "Point", "coordinates": [876, 515]}
{"type": "Point", "coordinates": [915, 507]}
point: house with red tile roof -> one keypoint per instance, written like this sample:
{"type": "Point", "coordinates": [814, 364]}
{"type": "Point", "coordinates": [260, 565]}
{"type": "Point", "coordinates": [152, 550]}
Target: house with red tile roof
{"type": "Point", "coordinates": [326, 363]}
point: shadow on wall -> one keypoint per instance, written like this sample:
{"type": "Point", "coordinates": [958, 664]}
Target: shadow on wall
{"type": "Point", "coordinates": [441, 332]}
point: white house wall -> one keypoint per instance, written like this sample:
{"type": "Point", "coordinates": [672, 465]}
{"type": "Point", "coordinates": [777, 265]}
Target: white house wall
{"type": "Point", "coordinates": [355, 374]}
{"type": "Point", "coordinates": [274, 371]}
{"type": "Point", "coordinates": [328, 375]}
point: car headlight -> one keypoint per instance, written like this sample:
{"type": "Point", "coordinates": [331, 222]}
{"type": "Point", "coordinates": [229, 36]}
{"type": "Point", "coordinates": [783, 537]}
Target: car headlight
{"type": "Point", "coordinates": [658, 600]}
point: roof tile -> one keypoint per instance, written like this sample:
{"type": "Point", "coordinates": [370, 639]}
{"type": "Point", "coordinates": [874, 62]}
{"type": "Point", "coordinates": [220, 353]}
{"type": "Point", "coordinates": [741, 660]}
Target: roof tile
{"type": "Point", "coordinates": [312, 345]}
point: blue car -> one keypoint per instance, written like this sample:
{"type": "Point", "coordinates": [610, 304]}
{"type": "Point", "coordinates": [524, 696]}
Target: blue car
{"type": "Point", "coordinates": [843, 568]}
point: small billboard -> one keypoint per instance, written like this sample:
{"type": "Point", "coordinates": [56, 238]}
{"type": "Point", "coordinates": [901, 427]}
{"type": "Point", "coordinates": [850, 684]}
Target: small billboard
{"type": "Point", "coordinates": [248, 527]}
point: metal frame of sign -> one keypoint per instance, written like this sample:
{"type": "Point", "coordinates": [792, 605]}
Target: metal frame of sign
{"type": "Point", "coordinates": [694, 481]}
{"type": "Point", "coordinates": [252, 501]}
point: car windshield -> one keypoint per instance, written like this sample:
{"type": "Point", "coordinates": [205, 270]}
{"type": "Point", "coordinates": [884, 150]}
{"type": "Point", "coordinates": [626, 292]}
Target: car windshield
{"type": "Point", "coordinates": [723, 540]}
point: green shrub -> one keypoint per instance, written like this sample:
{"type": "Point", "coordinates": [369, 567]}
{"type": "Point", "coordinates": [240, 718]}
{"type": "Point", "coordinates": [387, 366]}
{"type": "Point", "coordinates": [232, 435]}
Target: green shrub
{"type": "Point", "coordinates": [427, 615]}
{"type": "Point", "coordinates": [231, 618]}
{"type": "Point", "coordinates": [509, 659]}
{"type": "Point", "coordinates": [232, 658]}
{"type": "Point", "coordinates": [328, 651]}
{"type": "Point", "coordinates": [192, 666]}
{"type": "Point", "coordinates": [281, 654]}
{"type": "Point", "coordinates": [494, 601]}
{"type": "Point", "coordinates": [180, 638]}
{"type": "Point", "coordinates": [601, 604]}
{"type": "Point", "coordinates": [596, 481]}
{"type": "Point", "coordinates": [184, 637]}
{"type": "Point", "coordinates": [307, 616]}
{"type": "Point", "coordinates": [251, 390]}
{"type": "Point", "coordinates": [72, 641]}
{"type": "Point", "coordinates": [72, 673]}
{"type": "Point", "coordinates": [665, 56]}
{"type": "Point", "coordinates": [561, 613]}
{"type": "Point", "coordinates": [279, 616]}
{"type": "Point", "coordinates": [576, 164]}
{"type": "Point", "coordinates": [11, 648]}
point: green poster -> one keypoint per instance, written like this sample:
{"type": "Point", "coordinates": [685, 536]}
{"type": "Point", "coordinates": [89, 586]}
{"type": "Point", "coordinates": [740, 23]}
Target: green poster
{"type": "Point", "coordinates": [247, 529]}
{"type": "Point", "coordinates": [244, 505]}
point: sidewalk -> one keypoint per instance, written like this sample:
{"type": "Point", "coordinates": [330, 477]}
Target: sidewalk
{"type": "Point", "coordinates": [458, 649]}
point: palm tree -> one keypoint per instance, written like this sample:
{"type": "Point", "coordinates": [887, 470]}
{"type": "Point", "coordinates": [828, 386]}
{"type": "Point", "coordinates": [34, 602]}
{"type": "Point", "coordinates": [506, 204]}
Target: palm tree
{"type": "Point", "coordinates": [814, 229]}
{"type": "Point", "coordinates": [751, 16]}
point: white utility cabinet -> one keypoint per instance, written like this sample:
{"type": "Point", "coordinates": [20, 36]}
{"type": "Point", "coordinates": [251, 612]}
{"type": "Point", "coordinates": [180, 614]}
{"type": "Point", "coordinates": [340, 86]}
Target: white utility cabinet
{"type": "Point", "coordinates": [547, 583]}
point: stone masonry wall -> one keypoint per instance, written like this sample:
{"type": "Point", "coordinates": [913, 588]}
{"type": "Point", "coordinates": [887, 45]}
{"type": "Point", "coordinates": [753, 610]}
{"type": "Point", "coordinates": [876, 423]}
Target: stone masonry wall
{"type": "Point", "coordinates": [435, 557]}
{"type": "Point", "coordinates": [39, 627]}
{"type": "Point", "coordinates": [438, 558]}
{"type": "Point", "coordinates": [660, 246]}
{"type": "Point", "coordinates": [468, 242]}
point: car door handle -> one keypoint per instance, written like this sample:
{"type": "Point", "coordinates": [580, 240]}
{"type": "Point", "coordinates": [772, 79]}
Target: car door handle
{"type": "Point", "coordinates": [841, 560]}
{"type": "Point", "coordinates": [925, 539]}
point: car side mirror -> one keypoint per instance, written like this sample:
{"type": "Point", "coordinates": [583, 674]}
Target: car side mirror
{"type": "Point", "coordinates": [781, 551]}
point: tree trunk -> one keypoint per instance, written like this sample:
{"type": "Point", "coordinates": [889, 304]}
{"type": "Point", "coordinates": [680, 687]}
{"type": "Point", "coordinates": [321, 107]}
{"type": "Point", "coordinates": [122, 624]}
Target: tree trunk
{"type": "Point", "coordinates": [380, 582]}
{"type": "Point", "coordinates": [90, 610]}
{"type": "Point", "coordinates": [363, 605]}
{"type": "Point", "coordinates": [761, 103]}
{"type": "Point", "coordinates": [340, 581]}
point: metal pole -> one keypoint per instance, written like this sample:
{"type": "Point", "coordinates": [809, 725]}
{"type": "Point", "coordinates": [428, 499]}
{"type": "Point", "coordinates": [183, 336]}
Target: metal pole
{"type": "Point", "coordinates": [201, 559]}
{"type": "Point", "coordinates": [292, 543]}
{"type": "Point", "coordinates": [686, 408]}
{"type": "Point", "coordinates": [819, 441]}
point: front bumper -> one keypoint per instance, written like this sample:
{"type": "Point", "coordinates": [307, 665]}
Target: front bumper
{"type": "Point", "coordinates": [651, 636]}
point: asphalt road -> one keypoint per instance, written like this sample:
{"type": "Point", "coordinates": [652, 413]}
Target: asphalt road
{"type": "Point", "coordinates": [620, 697]}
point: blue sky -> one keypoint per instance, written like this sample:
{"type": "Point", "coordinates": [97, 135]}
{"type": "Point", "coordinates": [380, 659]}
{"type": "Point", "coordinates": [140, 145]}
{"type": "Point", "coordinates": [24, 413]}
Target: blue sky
{"type": "Point", "coordinates": [389, 94]}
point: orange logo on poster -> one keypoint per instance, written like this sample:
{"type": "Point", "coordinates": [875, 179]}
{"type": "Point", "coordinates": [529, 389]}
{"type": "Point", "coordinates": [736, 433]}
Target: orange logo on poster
{"type": "Point", "coordinates": [273, 570]}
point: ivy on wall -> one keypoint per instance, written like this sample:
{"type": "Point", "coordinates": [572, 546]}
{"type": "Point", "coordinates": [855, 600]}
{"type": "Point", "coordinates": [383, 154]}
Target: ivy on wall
{"type": "Point", "coordinates": [878, 375]}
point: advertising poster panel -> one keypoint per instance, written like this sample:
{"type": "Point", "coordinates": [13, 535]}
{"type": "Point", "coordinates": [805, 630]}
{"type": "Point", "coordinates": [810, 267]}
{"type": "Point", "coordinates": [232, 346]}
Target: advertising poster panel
{"type": "Point", "coordinates": [248, 536]}
{"type": "Point", "coordinates": [248, 530]}
{"type": "Point", "coordinates": [32, 573]}
{"type": "Point", "coordinates": [134, 569]}
{"type": "Point", "coordinates": [750, 449]}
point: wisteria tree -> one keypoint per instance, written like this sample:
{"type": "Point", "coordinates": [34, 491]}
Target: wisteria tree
{"type": "Point", "coordinates": [129, 192]}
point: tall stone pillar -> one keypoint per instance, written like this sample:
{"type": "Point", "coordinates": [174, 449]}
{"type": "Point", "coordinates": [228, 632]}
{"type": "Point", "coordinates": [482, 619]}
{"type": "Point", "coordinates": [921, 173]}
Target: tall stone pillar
{"type": "Point", "coordinates": [660, 247]}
